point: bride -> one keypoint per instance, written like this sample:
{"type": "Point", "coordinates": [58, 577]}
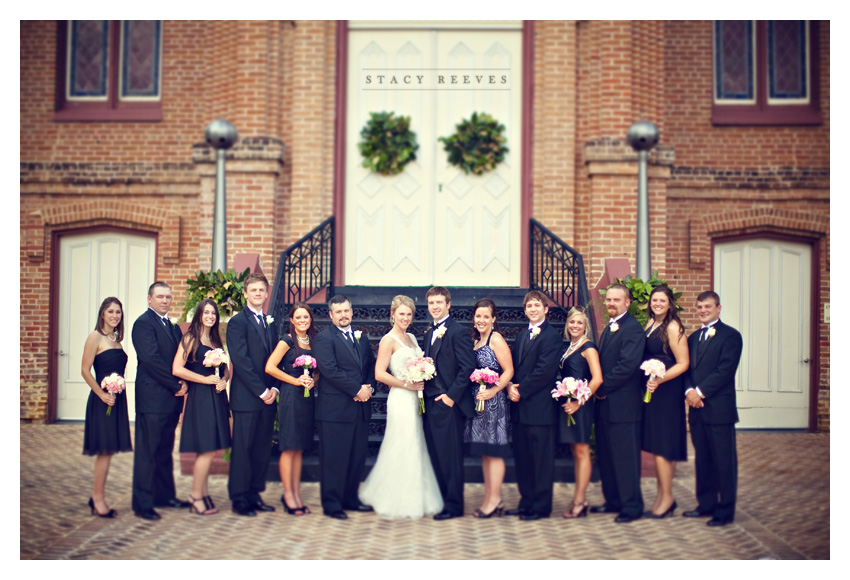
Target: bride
{"type": "Point", "coordinates": [402, 483]}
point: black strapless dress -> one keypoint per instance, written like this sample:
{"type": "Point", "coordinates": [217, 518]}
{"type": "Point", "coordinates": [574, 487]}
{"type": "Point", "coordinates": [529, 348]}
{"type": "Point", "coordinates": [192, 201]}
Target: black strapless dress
{"type": "Point", "coordinates": [206, 419]}
{"type": "Point", "coordinates": [664, 431]}
{"type": "Point", "coordinates": [107, 434]}
{"type": "Point", "coordinates": [295, 411]}
{"type": "Point", "coordinates": [576, 366]}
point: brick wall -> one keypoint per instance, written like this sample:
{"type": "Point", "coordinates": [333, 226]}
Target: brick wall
{"type": "Point", "coordinates": [276, 82]}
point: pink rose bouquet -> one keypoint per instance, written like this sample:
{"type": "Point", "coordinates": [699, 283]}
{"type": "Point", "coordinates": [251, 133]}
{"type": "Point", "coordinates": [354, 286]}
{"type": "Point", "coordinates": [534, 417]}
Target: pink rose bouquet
{"type": "Point", "coordinates": [215, 358]}
{"type": "Point", "coordinates": [421, 368]}
{"type": "Point", "coordinates": [653, 368]}
{"type": "Point", "coordinates": [113, 384]}
{"type": "Point", "coordinates": [306, 362]}
{"type": "Point", "coordinates": [485, 378]}
{"type": "Point", "coordinates": [573, 390]}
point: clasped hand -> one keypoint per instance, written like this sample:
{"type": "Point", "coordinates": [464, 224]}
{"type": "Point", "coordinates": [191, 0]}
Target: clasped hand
{"type": "Point", "coordinates": [693, 399]}
{"type": "Point", "coordinates": [513, 392]}
{"type": "Point", "coordinates": [364, 395]}
{"type": "Point", "coordinates": [306, 381]}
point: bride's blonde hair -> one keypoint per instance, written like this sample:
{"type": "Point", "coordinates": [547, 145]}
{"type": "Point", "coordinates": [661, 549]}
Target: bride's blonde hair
{"type": "Point", "coordinates": [400, 300]}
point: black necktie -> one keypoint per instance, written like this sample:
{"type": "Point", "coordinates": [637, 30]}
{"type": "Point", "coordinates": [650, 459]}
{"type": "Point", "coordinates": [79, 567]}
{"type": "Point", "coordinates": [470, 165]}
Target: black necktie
{"type": "Point", "coordinates": [166, 322]}
{"type": "Point", "coordinates": [703, 341]}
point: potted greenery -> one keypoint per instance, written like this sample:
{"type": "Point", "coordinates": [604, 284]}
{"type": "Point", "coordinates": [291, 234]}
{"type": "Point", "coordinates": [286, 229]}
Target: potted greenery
{"type": "Point", "coordinates": [639, 292]}
{"type": "Point", "coordinates": [225, 288]}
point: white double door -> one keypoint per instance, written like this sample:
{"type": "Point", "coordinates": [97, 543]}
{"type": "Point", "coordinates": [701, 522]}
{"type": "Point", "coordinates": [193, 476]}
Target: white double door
{"type": "Point", "coordinates": [765, 292]}
{"type": "Point", "coordinates": [432, 224]}
{"type": "Point", "coordinates": [93, 267]}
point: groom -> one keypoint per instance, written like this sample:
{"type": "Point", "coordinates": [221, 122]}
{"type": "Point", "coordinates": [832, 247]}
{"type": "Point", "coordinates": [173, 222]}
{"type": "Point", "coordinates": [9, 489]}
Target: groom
{"type": "Point", "coordinates": [448, 399]}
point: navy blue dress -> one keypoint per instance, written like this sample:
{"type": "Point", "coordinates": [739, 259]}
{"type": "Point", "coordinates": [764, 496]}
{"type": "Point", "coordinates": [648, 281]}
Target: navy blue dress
{"type": "Point", "coordinates": [576, 366]}
{"type": "Point", "coordinates": [107, 434]}
{"type": "Point", "coordinates": [664, 430]}
{"type": "Point", "coordinates": [206, 419]}
{"type": "Point", "coordinates": [295, 411]}
{"type": "Point", "coordinates": [487, 433]}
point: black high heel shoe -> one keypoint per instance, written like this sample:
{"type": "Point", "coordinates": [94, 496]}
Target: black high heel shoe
{"type": "Point", "coordinates": [300, 511]}
{"type": "Point", "coordinates": [497, 511]}
{"type": "Point", "coordinates": [581, 514]}
{"type": "Point", "coordinates": [669, 512]}
{"type": "Point", "coordinates": [109, 514]}
{"type": "Point", "coordinates": [208, 503]}
{"type": "Point", "coordinates": [192, 509]}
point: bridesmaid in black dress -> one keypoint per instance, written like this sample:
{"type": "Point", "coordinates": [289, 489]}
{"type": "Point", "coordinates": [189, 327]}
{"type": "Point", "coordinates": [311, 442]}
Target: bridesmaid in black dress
{"type": "Point", "coordinates": [664, 432]}
{"type": "Point", "coordinates": [580, 361]}
{"type": "Point", "coordinates": [105, 434]}
{"type": "Point", "coordinates": [295, 411]}
{"type": "Point", "coordinates": [487, 431]}
{"type": "Point", "coordinates": [206, 418]}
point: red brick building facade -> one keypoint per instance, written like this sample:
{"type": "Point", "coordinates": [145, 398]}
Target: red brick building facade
{"type": "Point", "coordinates": [712, 178]}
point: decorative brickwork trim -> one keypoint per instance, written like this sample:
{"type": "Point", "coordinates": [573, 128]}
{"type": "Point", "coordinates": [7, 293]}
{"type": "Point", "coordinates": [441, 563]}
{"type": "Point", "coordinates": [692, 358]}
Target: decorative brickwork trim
{"type": "Point", "coordinates": [246, 149]}
{"type": "Point", "coordinates": [167, 224]}
{"type": "Point", "coordinates": [752, 178]}
{"type": "Point", "coordinates": [768, 219]}
{"type": "Point", "coordinates": [609, 149]}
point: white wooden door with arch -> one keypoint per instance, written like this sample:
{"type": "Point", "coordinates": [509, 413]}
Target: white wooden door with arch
{"type": "Point", "coordinates": [765, 292]}
{"type": "Point", "coordinates": [432, 224]}
{"type": "Point", "coordinates": [92, 267]}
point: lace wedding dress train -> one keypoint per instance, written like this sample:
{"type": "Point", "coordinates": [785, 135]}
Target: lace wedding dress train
{"type": "Point", "coordinates": [402, 483]}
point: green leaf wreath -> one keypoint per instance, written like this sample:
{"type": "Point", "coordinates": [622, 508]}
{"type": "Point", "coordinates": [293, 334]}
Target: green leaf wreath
{"type": "Point", "coordinates": [478, 145]}
{"type": "Point", "coordinates": [225, 288]}
{"type": "Point", "coordinates": [388, 143]}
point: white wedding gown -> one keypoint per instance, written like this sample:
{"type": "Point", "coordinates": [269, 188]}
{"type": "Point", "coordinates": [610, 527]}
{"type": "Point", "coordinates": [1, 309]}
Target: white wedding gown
{"type": "Point", "coordinates": [402, 483]}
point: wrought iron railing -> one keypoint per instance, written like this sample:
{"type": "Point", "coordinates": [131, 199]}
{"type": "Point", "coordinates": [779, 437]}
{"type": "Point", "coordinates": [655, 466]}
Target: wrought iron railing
{"type": "Point", "coordinates": [305, 269]}
{"type": "Point", "coordinates": [557, 270]}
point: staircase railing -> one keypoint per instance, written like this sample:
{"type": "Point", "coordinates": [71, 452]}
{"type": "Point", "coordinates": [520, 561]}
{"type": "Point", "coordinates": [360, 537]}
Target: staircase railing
{"type": "Point", "coordinates": [305, 269]}
{"type": "Point", "coordinates": [557, 270]}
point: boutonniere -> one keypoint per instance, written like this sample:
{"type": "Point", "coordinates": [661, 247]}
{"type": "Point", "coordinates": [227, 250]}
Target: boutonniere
{"type": "Point", "coordinates": [173, 321]}
{"type": "Point", "coordinates": [269, 319]}
{"type": "Point", "coordinates": [614, 327]}
{"type": "Point", "coordinates": [440, 332]}
{"type": "Point", "coordinates": [710, 332]}
{"type": "Point", "coordinates": [357, 335]}
{"type": "Point", "coordinates": [534, 332]}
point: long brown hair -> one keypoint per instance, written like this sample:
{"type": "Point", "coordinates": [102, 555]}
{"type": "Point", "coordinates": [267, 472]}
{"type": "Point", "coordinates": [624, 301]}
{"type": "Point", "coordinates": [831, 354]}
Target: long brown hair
{"type": "Point", "coordinates": [119, 330]}
{"type": "Point", "coordinates": [192, 338]}
{"type": "Point", "coordinates": [672, 314]}
{"type": "Point", "coordinates": [484, 303]}
{"type": "Point", "coordinates": [311, 330]}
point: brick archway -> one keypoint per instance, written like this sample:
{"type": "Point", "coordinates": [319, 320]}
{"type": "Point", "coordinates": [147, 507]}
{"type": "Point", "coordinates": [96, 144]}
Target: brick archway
{"type": "Point", "coordinates": [120, 214]}
{"type": "Point", "coordinates": [770, 219]}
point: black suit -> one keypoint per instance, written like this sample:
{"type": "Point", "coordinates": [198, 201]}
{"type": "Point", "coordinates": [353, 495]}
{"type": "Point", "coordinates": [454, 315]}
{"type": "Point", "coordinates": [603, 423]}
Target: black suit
{"type": "Point", "coordinates": [343, 422]}
{"type": "Point", "coordinates": [455, 360]}
{"type": "Point", "coordinates": [712, 370]}
{"type": "Point", "coordinates": [618, 417]}
{"type": "Point", "coordinates": [535, 417]}
{"type": "Point", "coordinates": [249, 344]}
{"type": "Point", "coordinates": [157, 411]}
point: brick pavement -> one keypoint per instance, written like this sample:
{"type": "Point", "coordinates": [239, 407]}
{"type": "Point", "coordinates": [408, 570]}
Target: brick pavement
{"type": "Point", "coordinates": [782, 475]}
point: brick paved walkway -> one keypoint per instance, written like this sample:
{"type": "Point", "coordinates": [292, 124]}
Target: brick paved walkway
{"type": "Point", "coordinates": [782, 477]}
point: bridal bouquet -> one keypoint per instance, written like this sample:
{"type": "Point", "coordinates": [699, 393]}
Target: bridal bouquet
{"type": "Point", "coordinates": [306, 362]}
{"type": "Point", "coordinates": [485, 378]}
{"type": "Point", "coordinates": [421, 368]}
{"type": "Point", "coordinates": [653, 368]}
{"type": "Point", "coordinates": [114, 384]}
{"type": "Point", "coordinates": [573, 389]}
{"type": "Point", "coordinates": [215, 358]}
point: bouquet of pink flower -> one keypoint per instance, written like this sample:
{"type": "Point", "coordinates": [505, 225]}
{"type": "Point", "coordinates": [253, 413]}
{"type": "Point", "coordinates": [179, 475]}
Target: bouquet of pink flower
{"type": "Point", "coordinates": [114, 384]}
{"type": "Point", "coordinates": [572, 389]}
{"type": "Point", "coordinates": [653, 368]}
{"type": "Point", "coordinates": [306, 362]}
{"type": "Point", "coordinates": [485, 378]}
{"type": "Point", "coordinates": [215, 358]}
{"type": "Point", "coordinates": [421, 368]}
